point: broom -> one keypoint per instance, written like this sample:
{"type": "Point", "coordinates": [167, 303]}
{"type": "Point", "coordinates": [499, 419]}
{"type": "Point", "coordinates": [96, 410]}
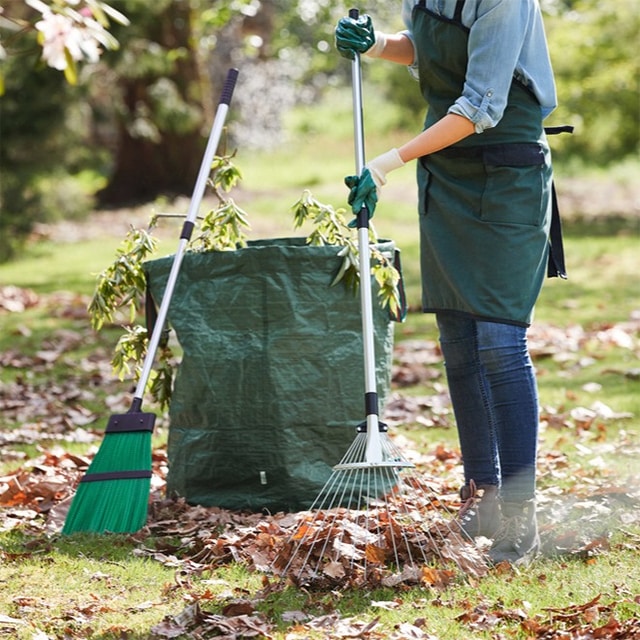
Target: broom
{"type": "Point", "coordinates": [371, 524]}
{"type": "Point", "coordinates": [113, 495]}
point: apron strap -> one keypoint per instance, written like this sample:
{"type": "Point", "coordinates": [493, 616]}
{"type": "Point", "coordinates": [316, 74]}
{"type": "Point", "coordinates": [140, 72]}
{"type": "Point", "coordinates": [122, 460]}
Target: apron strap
{"type": "Point", "coordinates": [556, 266]}
{"type": "Point", "coordinates": [404, 307]}
{"type": "Point", "coordinates": [457, 14]}
{"type": "Point", "coordinates": [554, 131]}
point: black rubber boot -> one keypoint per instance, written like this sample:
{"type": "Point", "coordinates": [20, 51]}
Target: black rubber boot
{"type": "Point", "coordinates": [517, 542]}
{"type": "Point", "coordinates": [480, 511]}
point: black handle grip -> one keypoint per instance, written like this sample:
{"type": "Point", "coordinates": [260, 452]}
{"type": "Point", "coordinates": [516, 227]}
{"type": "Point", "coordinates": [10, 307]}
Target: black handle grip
{"type": "Point", "coordinates": [362, 219]}
{"type": "Point", "coordinates": [354, 13]}
{"type": "Point", "coordinates": [229, 86]}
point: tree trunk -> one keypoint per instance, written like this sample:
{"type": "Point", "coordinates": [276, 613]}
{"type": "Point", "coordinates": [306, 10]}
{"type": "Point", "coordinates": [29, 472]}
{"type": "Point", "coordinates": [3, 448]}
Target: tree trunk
{"type": "Point", "coordinates": [164, 156]}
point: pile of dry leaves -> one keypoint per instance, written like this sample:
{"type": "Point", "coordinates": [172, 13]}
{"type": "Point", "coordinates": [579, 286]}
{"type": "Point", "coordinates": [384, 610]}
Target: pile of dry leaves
{"type": "Point", "coordinates": [363, 553]}
{"type": "Point", "coordinates": [38, 496]}
{"type": "Point", "coordinates": [39, 492]}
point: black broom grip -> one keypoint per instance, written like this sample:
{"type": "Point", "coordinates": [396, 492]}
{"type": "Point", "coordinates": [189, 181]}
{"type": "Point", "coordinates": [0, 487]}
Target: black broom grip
{"type": "Point", "coordinates": [229, 86]}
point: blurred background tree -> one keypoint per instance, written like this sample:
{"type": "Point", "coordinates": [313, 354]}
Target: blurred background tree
{"type": "Point", "coordinates": [44, 125]}
{"type": "Point", "coordinates": [151, 99]}
{"type": "Point", "coordinates": [595, 57]}
{"type": "Point", "coordinates": [134, 125]}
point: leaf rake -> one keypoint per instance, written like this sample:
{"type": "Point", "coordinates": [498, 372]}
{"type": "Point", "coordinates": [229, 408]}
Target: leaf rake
{"type": "Point", "coordinates": [373, 522]}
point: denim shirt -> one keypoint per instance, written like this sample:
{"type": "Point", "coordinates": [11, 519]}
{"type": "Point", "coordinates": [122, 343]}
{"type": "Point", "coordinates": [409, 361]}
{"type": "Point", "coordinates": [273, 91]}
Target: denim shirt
{"type": "Point", "coordinates": [506, 40]}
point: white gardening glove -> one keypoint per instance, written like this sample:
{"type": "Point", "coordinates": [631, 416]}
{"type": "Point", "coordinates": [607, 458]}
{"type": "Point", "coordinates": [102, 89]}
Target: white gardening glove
{"type": "Point", "coordinates": [365, 188]}
{"type": "Point", "coordinates": [375, 51]}
{"type": "Point", "coordinates": [382, 164]}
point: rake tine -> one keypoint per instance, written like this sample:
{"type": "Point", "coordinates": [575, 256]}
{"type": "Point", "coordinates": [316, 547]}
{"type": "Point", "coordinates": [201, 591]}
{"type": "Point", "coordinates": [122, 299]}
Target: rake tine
{"type": "Point", "coordinates": [335, 489]}
{"type": "Point", "coordinates": [376, 522]}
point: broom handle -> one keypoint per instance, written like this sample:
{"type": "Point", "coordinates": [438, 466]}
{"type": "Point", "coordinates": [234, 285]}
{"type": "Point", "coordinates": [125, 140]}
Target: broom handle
{"type": "Point", "coordinates": [185, 235]}
{"type": "Point", "coordinates": [373, 449]}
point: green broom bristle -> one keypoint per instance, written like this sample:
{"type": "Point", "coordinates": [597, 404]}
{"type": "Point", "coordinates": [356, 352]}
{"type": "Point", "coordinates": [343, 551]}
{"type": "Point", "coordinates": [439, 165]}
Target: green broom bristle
{"type": "Point", "coordinates": [116, 505]}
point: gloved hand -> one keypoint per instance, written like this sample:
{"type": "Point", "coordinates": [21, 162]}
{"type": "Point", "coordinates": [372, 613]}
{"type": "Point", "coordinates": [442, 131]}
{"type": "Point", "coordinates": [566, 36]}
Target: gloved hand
{"type": "Point", "coordinates": [364, 189]}
{"type": "Point", "coordinates": [354, 35]}
{"type": "Point", "coordinates": [363, 192]}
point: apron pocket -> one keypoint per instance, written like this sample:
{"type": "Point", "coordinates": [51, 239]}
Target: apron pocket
{"type": "Point", "coordinates": [514, 191]}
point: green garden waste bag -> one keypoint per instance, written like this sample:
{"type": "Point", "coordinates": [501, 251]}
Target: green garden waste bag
{"type": "Point", "coordinates": [270, 389]}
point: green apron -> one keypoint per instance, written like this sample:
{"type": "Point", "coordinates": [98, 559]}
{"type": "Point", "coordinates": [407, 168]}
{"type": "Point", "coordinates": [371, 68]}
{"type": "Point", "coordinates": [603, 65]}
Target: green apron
{"type": "Point", "coordinates": [485, 203]}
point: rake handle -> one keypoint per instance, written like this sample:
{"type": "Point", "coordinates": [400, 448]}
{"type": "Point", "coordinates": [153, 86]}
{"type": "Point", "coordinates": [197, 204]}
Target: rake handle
{"type": "Point", "coordinates": [374, 448]}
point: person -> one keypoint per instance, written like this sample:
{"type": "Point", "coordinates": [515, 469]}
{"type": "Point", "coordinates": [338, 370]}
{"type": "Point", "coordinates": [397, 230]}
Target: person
{"type": "Point", "coordinates": [485, 212]}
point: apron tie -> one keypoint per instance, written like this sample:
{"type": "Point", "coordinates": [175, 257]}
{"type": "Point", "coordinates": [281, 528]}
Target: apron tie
{"type": "Point", "coordinates": [556, 266]}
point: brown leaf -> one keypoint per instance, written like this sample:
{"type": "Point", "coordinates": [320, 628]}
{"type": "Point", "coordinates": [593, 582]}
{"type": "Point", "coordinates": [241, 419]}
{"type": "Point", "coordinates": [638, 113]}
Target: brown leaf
{"type": "Point", "coordinates": [15, 300]}
{"type": "Point", "coordinates": [334, 570]}
{"type": "Point", "coordinates": [374, 554]}
{"type": "Point", "coordinates": [238, 608]}
{"type": "Point", "coordinates": [436, 577]}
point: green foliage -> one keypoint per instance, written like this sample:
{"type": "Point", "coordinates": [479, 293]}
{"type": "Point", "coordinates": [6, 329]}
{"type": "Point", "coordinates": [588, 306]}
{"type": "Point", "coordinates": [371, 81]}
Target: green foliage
{"type": "Point", "coordinates": [128, 357]}
{"type": "Point", "coordinates": [594, 53]}
{"type": "Point", "coordinates": [33, 130]}
{"type": "Point", "coordinates": [214, 16]}
{"type": "Point", "coordinates": [161, 386]}
{"type": "Point", "coordinates": [153, 83]}
{"type": "Point", "coordinates": [224, 227]}
{"type": "Point", "coordinates": [170, 109]}
{"type": "Point", "coordinates": [131, 347]}
{"type": "Point", "coordinates": [43, 120]}
{"type": "Point", "coordinates": [329, 224]}
{"type": "Point", "coordinates": [388, 279]}
{"type": "Point", "coordinates": [329, 227]}
{"type": "Point", "coordinates": [122, 284]}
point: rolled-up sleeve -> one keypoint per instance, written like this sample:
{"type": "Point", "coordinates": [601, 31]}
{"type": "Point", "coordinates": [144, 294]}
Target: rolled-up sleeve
{"type": "Point", "coordinates": [407, 8]}
{"type": "Point", "coordinates": [495, 42]}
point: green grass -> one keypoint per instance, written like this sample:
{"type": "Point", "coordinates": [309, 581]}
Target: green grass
{"type": "Point", "coordinates": [93, 590]}
{"type": "Point", "coordinates": [80, 580]}
{"type": "Point", "coordinates": [43, 268]}
{"type": "Point", "coordinates": [100, 587]}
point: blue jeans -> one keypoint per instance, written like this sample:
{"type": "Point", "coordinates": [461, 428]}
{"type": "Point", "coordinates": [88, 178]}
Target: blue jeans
{"type": "Point", "coordinates": [495, 402]}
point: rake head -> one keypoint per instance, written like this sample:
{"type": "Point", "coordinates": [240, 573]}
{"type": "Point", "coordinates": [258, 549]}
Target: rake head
{"type": "Point", "coordinates": [376, 523]}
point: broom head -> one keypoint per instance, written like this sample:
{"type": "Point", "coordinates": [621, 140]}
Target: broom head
{"type": "Point", "coordinates": [113, 495]}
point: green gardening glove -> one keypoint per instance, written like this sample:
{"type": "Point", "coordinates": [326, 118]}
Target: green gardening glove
{"type": "Point", "coordinates": [364, 188]}
{"type": "Point", "coordinates": [363, 192]}
{"type": "Point", "coordinates": [354, 35]}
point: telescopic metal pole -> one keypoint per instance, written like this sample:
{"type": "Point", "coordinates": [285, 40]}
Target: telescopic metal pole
{"type": "Point", "coordinates": [374, 447]}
